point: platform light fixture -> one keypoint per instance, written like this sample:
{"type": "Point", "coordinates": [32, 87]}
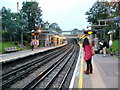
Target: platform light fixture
{"type": "Point", "coordinates": [39, 30]}
{"type": "Point", "coordinates": [33, 32]}
{"type": "Point", "coordinates": [90, 32]}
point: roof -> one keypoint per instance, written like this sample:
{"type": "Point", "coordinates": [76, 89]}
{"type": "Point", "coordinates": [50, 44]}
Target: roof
{"type": "Point", "coordinates": [111, 19]}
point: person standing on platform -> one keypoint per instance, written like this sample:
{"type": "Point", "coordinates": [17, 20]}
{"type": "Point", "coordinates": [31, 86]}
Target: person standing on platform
{"type": "Point", "coordinates": [104, 47]}
{"type": "Point", "coordinates": [32, 46]}
{"type": "Point", "coordinates": [88, 55]}
{"type": "Point", "coordinates": [110, 45]}
{"type": "Point", "coordinates": [100, 47]}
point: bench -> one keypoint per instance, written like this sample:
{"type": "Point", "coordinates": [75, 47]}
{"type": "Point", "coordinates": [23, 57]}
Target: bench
{"type": "Point", "coordinates": [11, 49]}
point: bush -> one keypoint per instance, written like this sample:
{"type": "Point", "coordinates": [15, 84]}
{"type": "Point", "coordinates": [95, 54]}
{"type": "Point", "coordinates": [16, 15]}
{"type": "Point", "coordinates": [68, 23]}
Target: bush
{"type": "Point", "coordinates": [115, 46]}
{"type": "Point", "coordinates": [7, 44]}
{"type": "Point", "coordinates": [16, 42]}
{"type": "Point", "coordinates": [26, 43]}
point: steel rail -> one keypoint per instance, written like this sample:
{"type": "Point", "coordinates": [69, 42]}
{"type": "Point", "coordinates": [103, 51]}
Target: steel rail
{"type": "Point", "coordinates": [60, 69]}
{"type": "Point", "coordinates": [28, 64]}
{"type": "Point", "coordinates": [32, 61]}
{"type": "Point", "coordinates": [11, 81]}
{"type": "Point", "coordinates": [67, 73]}
{"type": "Point", "coordinates": [42, 75]}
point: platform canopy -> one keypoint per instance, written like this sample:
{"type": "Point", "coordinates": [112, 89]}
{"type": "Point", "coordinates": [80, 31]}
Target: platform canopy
{"type": "Point", "coordinates": [106, 20]}
{"type": "Point", "coordinates": [111, 19]}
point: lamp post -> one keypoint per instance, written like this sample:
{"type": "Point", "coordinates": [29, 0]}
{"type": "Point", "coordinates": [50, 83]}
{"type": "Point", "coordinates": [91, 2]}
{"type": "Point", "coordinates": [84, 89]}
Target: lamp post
{"type": "Point", "coordinates": [90, 33]}
{"type": "Point", "coordinates": [39, 31]}
{"type": "Point", "coordinates": [33, 34]}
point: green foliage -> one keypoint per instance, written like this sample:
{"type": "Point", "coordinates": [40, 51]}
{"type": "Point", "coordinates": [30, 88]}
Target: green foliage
{"type": "Point", "coordinates": [118, 57]}
{"type": "Point", "coordinates": [101, 10]}
{"type": "Point", "coordinates": [115, 45]}
{"type": "Point", "coordinates": [12, 25]}
{"type": "Point", "coordinates": [46, 25]}
{"type": "Point", "coordinates": [1, 48]}
{"type": "Point", "coordinates": [55, 27]}
{"type": "Point", "coordinates": [29, 18]}
{"type": "Point", "coordinates": [104, 10]}
{"type": "Point", "coordinates": [7, 44]}
{"type": "Point", "coordinates": [32, 14]}
{"type": "Point", "coordinates": [98, 11]}
{"type": "Point", "coordinates": [5, 35]}
{"type": "Point", "coordinates": [16, 42]}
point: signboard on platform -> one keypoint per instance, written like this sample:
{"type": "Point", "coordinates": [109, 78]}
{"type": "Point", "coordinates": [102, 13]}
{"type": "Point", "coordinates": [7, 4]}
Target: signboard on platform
{"type": "Point", "coordinates": [35, 42]}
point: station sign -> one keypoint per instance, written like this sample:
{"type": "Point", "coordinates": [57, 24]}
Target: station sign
{"type": "Point", "coordinates": [35, 42]}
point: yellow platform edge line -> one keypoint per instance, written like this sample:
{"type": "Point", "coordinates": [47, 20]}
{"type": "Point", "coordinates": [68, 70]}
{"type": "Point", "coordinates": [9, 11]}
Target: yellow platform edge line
{"type": "Point", "coordinates": [80, 84]}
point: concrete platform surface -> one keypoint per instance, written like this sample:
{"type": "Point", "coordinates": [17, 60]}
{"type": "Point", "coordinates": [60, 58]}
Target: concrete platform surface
{"type": "Point", "coordinates": [20, 54]}
{"type": "Point", "coordinates": [105, 73]}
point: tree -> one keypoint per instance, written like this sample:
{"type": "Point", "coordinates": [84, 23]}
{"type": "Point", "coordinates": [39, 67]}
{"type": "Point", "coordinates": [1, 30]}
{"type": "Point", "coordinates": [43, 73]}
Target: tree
{"type": "Point", "coordinates": [32, 14]}
{"type": "Point", "coordinates": [29, 18]}
{"type": "Point", "coordinates": [19, 25]}
{"type": "Point", "coordinates": [55, 27]}
{"type": "Point", "coordinates": [46, 25]}
{"type": "Point", "coordinates": [98, 11]}
{"type": "Point", "coordinates": [115, 7]}
{"type": "Point", "coordinates": [7, 24]}
{"type": "Point", "coordinates": [12, 25]}
{"type": "Point", "coordinates": [103, 10]}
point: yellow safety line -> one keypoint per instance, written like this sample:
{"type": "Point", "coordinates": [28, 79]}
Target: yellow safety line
{"type": "Point", "coordinates": [81, 74]}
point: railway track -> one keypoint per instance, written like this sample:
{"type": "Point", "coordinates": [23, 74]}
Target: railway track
{"type": "Point", "coordinates": [58, 71]}
{"type": "Point", "coordinates": [11, 77]}
{"type": "Point", "coordinates": [44, 55]}
{"type": "Point", "coordinates": [29, 64]}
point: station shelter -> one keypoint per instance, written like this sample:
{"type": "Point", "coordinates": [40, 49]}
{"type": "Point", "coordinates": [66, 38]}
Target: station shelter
{"type": "Point", "coordinates": [46, 39]}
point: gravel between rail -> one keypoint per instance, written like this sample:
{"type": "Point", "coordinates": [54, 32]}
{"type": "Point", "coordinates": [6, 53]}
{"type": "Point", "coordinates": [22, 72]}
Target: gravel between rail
{"type": "Point", "coordinates": [54, 56]}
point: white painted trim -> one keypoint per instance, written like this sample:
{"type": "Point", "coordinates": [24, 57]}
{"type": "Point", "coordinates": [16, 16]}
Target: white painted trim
{"type": "Point", "coordinates": [74, 74]}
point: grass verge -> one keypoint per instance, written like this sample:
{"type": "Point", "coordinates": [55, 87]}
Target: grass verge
{"type": "Point", "coordinates": [4, 45]}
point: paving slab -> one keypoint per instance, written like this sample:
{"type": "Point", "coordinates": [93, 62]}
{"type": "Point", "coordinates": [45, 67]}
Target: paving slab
{"type": "Point", "coordinates": [105, 74]}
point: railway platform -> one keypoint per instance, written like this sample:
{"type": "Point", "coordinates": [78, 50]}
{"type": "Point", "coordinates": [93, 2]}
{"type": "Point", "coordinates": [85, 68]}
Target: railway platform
{"type": "Point", "coordinates": [24, 53]}
{"type": "Point", "coordinates": [105, 73]}
{"type": "Point", "coordinates": [105, 69]}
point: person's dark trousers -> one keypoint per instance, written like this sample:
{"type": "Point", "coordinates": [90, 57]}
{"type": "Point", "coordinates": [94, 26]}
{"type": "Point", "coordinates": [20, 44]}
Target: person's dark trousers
{"type": "Point", "coordinates": [32, 48]}
{"type": "Point", "coordinates": [89, 66]}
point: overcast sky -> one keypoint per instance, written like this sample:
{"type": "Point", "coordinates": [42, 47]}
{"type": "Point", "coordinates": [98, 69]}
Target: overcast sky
{"type": "Point", "coordinates": [68, 14]}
